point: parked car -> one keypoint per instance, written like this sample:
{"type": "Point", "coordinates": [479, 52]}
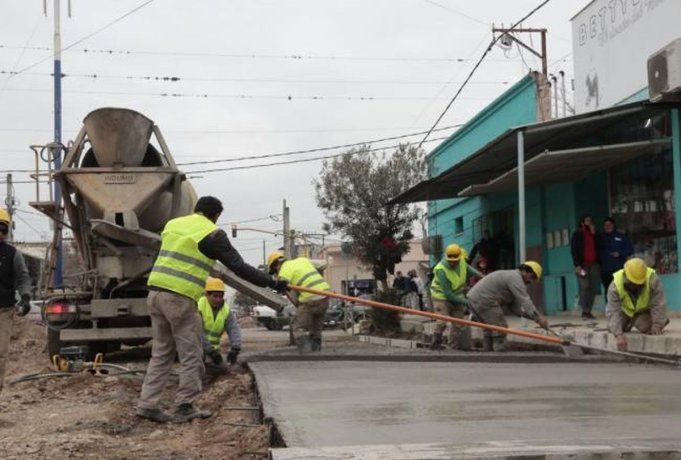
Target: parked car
{"type": "Point", "coordinates": [271, 319]}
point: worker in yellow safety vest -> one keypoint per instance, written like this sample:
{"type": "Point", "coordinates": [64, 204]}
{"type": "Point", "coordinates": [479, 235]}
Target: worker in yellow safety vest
{"type": "Point", "coordinates": [450, 277]}
{"type": "Point", "coordinates": [189, 247]}
{"type": "Point", "coordinates": [635, 299]}
{"type": "Point", "coordinates": [217, 319]}
{"type": "Point", "coordinates": [310, 309]}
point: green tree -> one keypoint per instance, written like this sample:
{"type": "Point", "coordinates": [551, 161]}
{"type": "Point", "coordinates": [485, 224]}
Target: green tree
{"type": "Point", "coordinates": [353, 191]}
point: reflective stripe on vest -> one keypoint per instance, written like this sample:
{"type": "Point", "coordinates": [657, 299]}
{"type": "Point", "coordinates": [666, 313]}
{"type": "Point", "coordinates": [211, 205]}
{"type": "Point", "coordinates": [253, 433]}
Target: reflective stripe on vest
{"type": "Point", "coordinates": [456, 277]}
{"type": "Point", "coordinates": [643, 300]}
{"type": "Point", "coordinates": [302, 272]}
{"type": "Point", "coordinates": [213, 326]}
{"type": "Point", "coordinates": [180, 267]}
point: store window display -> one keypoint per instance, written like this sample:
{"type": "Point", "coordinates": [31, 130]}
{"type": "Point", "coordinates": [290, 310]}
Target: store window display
{"type": "Point", "coordinates": [642, 200]}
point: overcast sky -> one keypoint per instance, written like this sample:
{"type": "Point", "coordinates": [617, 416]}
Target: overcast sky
{"type": "Point", "coordinates": [277, 76]}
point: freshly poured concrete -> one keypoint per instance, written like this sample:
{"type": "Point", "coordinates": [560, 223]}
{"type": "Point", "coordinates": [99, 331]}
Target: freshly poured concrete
{"type": "Point", "coordinates": [347, 403]}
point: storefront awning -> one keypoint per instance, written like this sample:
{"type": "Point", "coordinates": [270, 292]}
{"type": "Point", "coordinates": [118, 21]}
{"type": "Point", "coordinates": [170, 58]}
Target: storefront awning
{"type": "Point", "coordinates": [563, 136]}
{"type": "Point", "coordinates": [567, 165]}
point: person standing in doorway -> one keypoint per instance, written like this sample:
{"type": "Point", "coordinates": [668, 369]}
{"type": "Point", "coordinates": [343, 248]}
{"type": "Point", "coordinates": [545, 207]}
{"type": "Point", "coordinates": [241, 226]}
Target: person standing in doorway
{"type": "Point", "coordinates": [614, 249]}
{"type": "Point", "coordinates": [584, 248]}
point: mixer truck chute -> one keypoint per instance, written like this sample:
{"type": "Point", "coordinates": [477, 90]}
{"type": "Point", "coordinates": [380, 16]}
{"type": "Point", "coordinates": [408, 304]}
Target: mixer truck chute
{"type": "Point", "coordinates": [118, 190]}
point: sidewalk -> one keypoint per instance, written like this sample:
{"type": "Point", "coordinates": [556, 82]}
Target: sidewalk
{"type": "Point", "coordinates": [592, 333]}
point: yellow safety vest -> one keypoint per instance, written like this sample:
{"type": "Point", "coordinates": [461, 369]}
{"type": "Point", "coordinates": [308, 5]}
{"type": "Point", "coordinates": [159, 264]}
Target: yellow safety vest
{"type": "Point", "coordinates": [180, 267]}
{"type": "Point", "coordinates": [302, 272]}
{"type": "Point", "coordinates": [643, 300]}
{"type": "Point", "coordinates": [213, 325]}
{"type": "Point", "coordinates": [457, 278]}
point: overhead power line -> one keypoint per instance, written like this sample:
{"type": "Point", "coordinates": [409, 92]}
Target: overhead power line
{"type": "Point", "coordinates": [90, 35]}
{"type": "Point", "coordinates": [290, 56]}
{"type": "Point", "coordinates": [320, 149]}
{"type": "Point", "coordinates": [477, 65]}
{"type": "Point", "coordinates": [282, 97]}
{"type": "Point", "coordinates": [176, 78]}
{"type": "Point", "coordinates": [305, 160]}
{"type": "Point", "coordinates": [282, 154]}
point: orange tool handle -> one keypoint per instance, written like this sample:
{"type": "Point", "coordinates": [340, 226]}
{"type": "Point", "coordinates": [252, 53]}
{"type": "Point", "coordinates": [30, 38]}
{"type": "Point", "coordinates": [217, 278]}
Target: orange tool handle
{"type": "Point", "coordinates": [427, 314]}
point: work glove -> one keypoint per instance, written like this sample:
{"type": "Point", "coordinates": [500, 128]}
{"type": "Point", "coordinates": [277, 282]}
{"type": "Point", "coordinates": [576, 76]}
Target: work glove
{"type": "Point", "coordinates": [216, 357]}
{"type": "Point", "coordinates": [233, 354]}
{"type": "Point", "coordinates": [655, 330]}
{"type": "Point", "coordinates": [281, 286]}
{"type": "Point", "coordinates": [24, 305]}
{"type": "Point", "coordinates": [543, 322]}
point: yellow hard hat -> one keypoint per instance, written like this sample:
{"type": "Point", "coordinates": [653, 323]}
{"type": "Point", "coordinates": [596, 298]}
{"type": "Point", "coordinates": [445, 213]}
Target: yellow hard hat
{"type": "Point", "coordinates": [635, 270]}
{"type": "Point", "coordinates": [272, 258]}
{"type": "Point", "coordinates": [454, 252]}
{"type": "Point", "coordinates": [4, 216]}
{"type": "Point", "coordinates": [535, 267]}
{"type": "Point", "coordinates": [214, 284]}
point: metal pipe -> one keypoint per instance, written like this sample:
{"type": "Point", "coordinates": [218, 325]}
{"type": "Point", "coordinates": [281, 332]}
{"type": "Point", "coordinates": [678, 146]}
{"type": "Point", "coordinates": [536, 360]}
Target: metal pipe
{"type": "Point", "coordinates": [427, 314]}
{"type": "Point", "coordinates": [522, 250]}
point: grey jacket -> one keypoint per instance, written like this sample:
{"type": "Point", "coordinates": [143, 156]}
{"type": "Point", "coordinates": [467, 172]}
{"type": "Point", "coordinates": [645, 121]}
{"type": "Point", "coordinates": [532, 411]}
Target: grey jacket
{"type": "Point", "coordinates": [657, 308]}
{"type": "Point", "coordinates": [231, 328]}
{"type": "Point", "coordinates": [503, 287]}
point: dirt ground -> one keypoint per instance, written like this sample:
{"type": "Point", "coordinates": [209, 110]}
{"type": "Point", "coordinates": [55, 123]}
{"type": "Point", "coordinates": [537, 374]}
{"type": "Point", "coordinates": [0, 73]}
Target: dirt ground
{"type": "Point", "coordinates": [92, 416]}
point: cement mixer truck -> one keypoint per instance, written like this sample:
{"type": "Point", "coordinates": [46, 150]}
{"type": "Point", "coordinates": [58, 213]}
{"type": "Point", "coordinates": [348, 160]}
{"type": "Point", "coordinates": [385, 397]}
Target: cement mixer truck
{"type": "Point", "coordinates": [119, 187]}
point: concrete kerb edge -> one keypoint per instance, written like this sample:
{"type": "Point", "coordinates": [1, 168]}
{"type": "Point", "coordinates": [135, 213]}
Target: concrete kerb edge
{"type": "Point", "coordinates": [276, 439]}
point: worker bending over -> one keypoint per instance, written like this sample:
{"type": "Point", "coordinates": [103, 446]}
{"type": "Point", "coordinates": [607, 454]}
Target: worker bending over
{"type": "Point", "coordinates": [451, 276]}
{"type": "Point", "coordinates": [189, 247]}
{"type": "Point", "coordinates": [310, 308]}
{"type": "Point", "coordinates": [217, 319]}
{"type": "Point", "coordinates": [504, 287]}
{"type": "Point", "coordinates": [635, 299]}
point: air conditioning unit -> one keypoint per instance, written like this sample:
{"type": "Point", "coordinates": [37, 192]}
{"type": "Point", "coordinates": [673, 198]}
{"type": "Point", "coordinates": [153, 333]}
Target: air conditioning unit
{"type": "Point", "coordinates": [664, 73]}
{"type": "Point", "coordinates": [432, 245]}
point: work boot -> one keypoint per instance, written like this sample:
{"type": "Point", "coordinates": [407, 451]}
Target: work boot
{"type": "Point", "coordinates": [187, 412]}
{"type": "Point", "coordinates": [304, 344]}
{"type": "Point", "coordinates": [499, 344]}
{"type": "Point", "coordinates": [436, 344]}
{"type": "Point", "coordinates": [487, 342]}
{"type": "Point", "coordinates": [155, 415]}
{"type": "Point", "coordinates": [460, 339]}
{"type": "Point", "coordinates": [316, 344]}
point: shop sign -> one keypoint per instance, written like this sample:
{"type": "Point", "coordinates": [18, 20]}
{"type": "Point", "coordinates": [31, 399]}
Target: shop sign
{"type": "Point", "coordinates": [611, 41]}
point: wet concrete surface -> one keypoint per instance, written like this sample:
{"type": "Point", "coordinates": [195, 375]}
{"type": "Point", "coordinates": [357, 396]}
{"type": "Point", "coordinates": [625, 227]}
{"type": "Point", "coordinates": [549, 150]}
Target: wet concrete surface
{"type": "Point", "coordinates": [350, 403]}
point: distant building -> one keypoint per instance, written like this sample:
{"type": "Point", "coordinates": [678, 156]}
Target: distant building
{"type": "Point", "coordinates": [347, 275]}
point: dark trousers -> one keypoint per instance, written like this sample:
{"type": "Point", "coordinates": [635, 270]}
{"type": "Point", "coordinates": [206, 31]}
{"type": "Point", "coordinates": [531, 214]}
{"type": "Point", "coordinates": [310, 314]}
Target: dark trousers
{"type": "Point", "coordinates": [606, 278]}
{"type": "Point", "coordinates": [588, 287]}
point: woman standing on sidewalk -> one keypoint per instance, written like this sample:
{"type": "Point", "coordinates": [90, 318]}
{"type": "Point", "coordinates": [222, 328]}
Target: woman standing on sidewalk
{"type": "Point", "coordinates": [583, 246]}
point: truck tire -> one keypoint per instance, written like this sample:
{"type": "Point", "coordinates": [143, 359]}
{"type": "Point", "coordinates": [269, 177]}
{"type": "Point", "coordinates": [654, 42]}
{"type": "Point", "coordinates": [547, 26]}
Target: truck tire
{"type": "Point", "coordinates": [53, 343]}
{"type": "Point", "coordinates": [269, 325]}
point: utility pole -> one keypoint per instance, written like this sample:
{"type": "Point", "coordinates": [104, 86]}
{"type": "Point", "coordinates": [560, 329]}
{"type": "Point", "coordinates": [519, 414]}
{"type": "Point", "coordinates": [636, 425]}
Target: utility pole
{"type": "Point", "coordinates": [264, 254]}
{"type": "Point", "coordinates": [9, 202]}
{"type": "Point", "coordinates": [57, 144]}
{"type": "Point", "coordinates": [507, 37]}
{"type": "Point", "coordinates": [287, 230]}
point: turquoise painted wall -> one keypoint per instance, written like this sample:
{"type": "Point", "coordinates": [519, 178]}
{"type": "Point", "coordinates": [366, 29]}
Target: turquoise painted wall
{"type": "Point", "coordinates": [550, 208]}
{"type": "Point", "coordinates": [517, 106]}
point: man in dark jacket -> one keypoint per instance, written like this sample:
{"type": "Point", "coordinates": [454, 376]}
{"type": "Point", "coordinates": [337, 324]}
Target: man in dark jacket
{"type": "Point", "coordinates": [13, 277]}
{"type": "Point", "coordinates": [614, 248]}
{"type": "Point", "coordinates": [583, 246]}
